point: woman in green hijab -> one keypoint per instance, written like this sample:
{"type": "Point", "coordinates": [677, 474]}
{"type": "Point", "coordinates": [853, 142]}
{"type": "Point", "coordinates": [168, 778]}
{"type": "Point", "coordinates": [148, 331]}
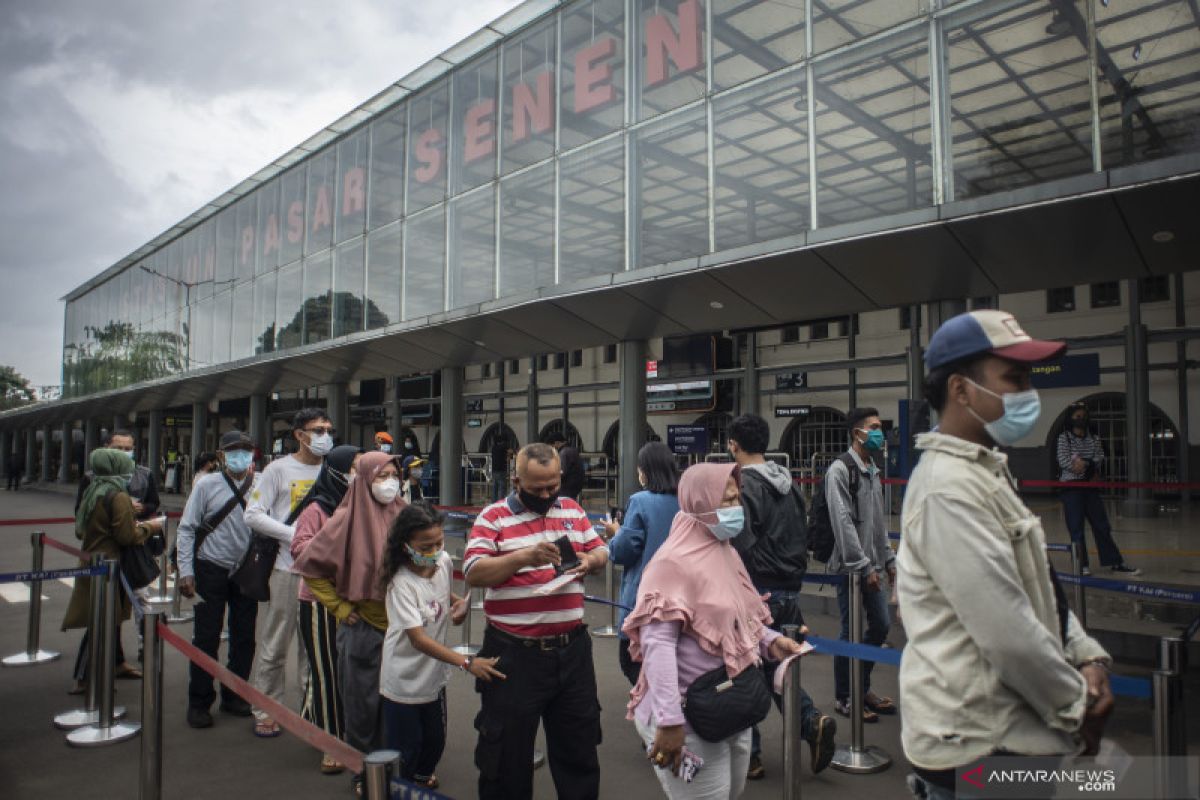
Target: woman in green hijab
{"type": "Point", "coordinates": [104, 522]}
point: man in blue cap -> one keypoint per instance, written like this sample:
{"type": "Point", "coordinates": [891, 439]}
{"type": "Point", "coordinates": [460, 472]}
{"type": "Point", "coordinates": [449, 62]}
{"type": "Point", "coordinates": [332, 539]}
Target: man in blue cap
{"type": "Point", "coordinates": [995, 661]}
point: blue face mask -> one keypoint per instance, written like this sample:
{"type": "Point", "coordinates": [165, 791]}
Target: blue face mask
{"type": "Point", "coordinates": [730, 521]}
{"type": "Point", "coordinates": [1021, 412]}
{"type": "Point", "coordinates": [423, 559]}
{"type": "Point", "coordinates": [132, 455]}
{"type": "Point", "coordinates": [238, 460]}
{"type": "Point", "coordinates": [874, 440]}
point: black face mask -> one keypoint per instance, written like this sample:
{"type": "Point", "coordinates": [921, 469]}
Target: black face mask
{"type": "Point", "coordinates": [538, 505]}
{"type": "Point", "coordinates": [1079, 423]}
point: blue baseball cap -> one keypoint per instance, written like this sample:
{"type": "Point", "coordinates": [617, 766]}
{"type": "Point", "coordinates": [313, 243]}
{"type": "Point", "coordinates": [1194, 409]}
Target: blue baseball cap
{"type": "Point", "coordinates": [987, 331]}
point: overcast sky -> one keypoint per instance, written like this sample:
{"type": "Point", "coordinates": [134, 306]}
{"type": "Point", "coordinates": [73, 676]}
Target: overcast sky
{"type": "Point", "coordinates": [118, 119]}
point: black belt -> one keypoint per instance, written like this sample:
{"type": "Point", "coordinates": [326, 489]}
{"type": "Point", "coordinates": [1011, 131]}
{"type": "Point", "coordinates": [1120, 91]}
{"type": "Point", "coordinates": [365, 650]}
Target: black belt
{"type": "Point", "coordinates": [554, 642]}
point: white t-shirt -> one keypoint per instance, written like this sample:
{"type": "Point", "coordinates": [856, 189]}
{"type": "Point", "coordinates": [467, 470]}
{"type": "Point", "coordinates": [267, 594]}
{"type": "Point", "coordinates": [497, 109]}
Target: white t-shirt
{"type": "Point", "coordinates": [281, 487]}
{"type": "Point", "coordinates": [407, 675]}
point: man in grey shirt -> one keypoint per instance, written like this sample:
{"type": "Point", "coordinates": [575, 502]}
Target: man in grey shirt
{"type": "Point", "coordinates": [860, 546]}
{"type": "Point", "coordinates": [213, 518]}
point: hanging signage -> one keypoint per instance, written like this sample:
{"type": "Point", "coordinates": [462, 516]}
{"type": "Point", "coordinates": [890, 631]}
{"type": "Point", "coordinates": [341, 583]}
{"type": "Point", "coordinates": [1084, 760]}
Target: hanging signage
{"type": "Point", "coordinates": [791, 381]}
{"type": "Point", "coordinates": [651, 369]}
{"type": "Point", "coordinates": [474, 406]}
{"type": "Point", "coordinates": [474, 423]}
{"type": "Point", "coordinates": [792, 411]}
{"type": "Point", "coordinates": [1081, 370]}
{"type": "Point", "coordinates": [684, 439]}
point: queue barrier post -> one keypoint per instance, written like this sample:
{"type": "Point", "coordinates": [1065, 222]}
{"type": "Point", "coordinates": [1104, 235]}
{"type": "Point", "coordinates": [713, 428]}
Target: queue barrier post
{"type": "Point", "coordinates": [150, 787]}
{"type": "Point", "coordinates": [379, 767]}
{"type": "Point", "coordinates": [1170, 719]}
{"type": "Point", "coordinates": [792, 740]}
{"type": "Point", "coordinates": [34, 654]}
{"type": "Point", "coordinates": [178, 614]}
{"type": "Point", "coordinates": [164, 558]}
{"type": "Point", "coordinates": [859, 758]}
{"type": "Point", "coordinates": [90, 713]}
{"type": "Point", "coordinates": [106, 730]}
{"type": "Point", "coordinates": [1077, 556]}
{"type": "Point", "coordinates": [467, 648]}
{"type": "Point", "coordinates": [610, 630]}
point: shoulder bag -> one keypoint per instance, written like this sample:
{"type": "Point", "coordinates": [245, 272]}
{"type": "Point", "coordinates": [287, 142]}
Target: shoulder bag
{"type": "Point", "coordinates": [717, 706]}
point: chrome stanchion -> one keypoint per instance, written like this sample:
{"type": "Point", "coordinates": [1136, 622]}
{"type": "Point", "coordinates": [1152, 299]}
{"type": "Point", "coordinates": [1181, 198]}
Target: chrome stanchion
{"type": "Point", "coordinates": [539, 758]}
{"type": "Point", "coordinates": [90, 713]}
{"type": "Point", "coordinates": [34, 654]}
{"type": "Point", "coordinates": [152, 713]}
{"type": "Point", "coordinates": [467, 648]}
{"type": "Point", "coordinates": [859, 758]}
{"type": "Point", "coordinates": [106, 730]}
{"type": "Point", "coordinates": [792, 740]}
{"type": "Point", "coordinates": [379, 767]}
{"type": "Point", "coordinates": [178, 614]}
{"type": "Point", "coordinates": [1170, 720]}
{"type": "Point", "coordinates": [164, 565]}
{"type": "Point", "coordinates": [609, 630]}
{"type": "Point", "coordinates": [1080, 596]}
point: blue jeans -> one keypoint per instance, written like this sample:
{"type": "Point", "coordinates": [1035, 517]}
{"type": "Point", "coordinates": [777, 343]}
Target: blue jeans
{"type": "Point", "coordinates": [500, 486]}
{"type": "Point", "coordinates": [1080, 504]}
{"type": "Point", "coordinates": [875, 606]}
{"type": "Point", "coordinates": [784, 606]}
{"type": "Point", "coordinates": [418, 733]}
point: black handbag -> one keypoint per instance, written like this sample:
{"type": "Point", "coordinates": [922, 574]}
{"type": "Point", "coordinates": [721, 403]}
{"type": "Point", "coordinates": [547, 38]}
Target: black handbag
{"type": "Point", "coordinates": [253, 574]}
{"type": "Point", "coordinates": [717, 706]}
{"type": "Point", "coordinates": [138, 565]}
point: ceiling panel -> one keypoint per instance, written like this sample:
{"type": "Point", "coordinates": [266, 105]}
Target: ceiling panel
{"type": "Point", "coordinates": [794, 286]}
{"type": "Point", "coordinates": [1164, 208]}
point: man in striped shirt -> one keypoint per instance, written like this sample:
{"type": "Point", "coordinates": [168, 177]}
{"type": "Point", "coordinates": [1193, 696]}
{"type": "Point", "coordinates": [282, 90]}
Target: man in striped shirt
{"type": "Point", "coordinates": [537, 635]}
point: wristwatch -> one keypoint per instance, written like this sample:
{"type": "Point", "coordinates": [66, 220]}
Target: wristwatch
{"type": "Point", "coordinates": [466, 664]}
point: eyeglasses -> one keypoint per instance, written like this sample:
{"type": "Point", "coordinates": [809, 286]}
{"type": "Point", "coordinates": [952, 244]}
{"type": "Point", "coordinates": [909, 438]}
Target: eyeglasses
{"type": "Point", "coordinates": [321, 429]}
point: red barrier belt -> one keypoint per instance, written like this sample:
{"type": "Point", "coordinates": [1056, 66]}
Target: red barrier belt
{"type": "Point", "coordinates": [64, 520]}
{"type": "Point", "coordinates": [307, 732]}
{"type": "Point", "coordinates": [467, 509]}
{"type": "Point", "coordinates": [1158, 487]}
{"type": "Point", "coordinates": [66, 548]}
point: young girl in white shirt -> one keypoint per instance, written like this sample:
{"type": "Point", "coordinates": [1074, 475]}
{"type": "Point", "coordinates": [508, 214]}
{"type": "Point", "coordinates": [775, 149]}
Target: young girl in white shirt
{"type": "Point", "coordinates": [417, 574]}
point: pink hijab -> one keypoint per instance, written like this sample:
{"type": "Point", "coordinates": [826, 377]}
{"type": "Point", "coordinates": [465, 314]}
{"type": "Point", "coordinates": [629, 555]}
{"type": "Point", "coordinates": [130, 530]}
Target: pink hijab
{"type": "Point", "coordinates": [700, 581]}
{"type": "Point", "coordinates": [349, 547]}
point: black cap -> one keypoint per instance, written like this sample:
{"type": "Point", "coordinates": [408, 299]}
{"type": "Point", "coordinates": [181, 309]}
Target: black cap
{"type": "Point", "coordinates": [236, 439]}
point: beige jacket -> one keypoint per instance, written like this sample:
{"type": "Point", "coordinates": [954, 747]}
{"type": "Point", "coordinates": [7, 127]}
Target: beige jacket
{"type": "Point", "coordinates": [985, 668]}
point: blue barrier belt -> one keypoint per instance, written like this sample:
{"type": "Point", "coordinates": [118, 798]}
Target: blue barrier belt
{"type": "Point", "coordinates": [1143, 590]}
{"type": "Point", "coordinates": [1059, 548]}
{"type": "Point", "coordinates": [401, 789]}
{"type": "Point", "coordinates": [603, 602]}
{"type": "Point", "coordinates": [51, 574]}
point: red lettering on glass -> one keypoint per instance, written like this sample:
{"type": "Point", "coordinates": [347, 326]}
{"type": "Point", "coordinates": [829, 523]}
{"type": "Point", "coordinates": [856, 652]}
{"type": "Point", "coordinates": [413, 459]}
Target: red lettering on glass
{"type": "Point", "coordinates": [295, 230]}
{"type": "Point", "coordinates": [529, 112]}
{"type": "Point", "coordinates": [479, 129]}
{"type": "Point", "coordinates": [428, 153]}
{"type": "Point", "coordinates": [593, 75]}
{"type": "Point", "coordinates": [662, 43]}
{"type": "Point", "coordinates": [354, 191]}
{"type": "Point", "coordinates": [247, 244]}
{"type": "Point", "coordinates": [271, 236]}
{"type": "Point", "coordinates": [321, 217]}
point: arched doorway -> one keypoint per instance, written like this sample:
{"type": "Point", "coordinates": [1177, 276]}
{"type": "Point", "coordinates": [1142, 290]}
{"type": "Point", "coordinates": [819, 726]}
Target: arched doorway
{"type": "Point", "coordinates": [821, 434]}
{"type": "Point", "coordinates": [609, 448]}
{"type": "Point", "coordinates": [498, 430]}
{"type": "Point", "coordinates": [1106, 411]}
{"type": "Point", "coordinates": [717, 424]}
{"type": "Point", "coordinates": [554, 430]}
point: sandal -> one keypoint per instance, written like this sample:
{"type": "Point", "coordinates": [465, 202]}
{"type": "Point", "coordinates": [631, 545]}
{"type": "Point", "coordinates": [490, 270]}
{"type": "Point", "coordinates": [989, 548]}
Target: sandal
{"type": "Point", "coordinates": [880, 705]}
{"type": "Point", "coordinates": [267, 728]}
{"type": "Point", "coordinates": [128, 672]}
{"type": "Point", "coordinates": [426, 783]}
{"type": "Point", "coordinates": [843, 707]}
{"type": "Point", "coordinates": [357, 784]}
{"type": "Point", "coordinates": [331, 766]}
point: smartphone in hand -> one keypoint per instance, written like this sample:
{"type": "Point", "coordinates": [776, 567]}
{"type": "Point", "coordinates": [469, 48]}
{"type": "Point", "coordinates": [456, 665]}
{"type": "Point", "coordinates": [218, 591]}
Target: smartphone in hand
{"type": "Point", "coordinates": [566, 551]}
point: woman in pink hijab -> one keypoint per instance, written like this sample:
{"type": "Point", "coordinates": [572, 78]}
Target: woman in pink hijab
{"type": "Point", "coordinates": [696, 610]}
{"type": "Point", "coordinates": [341, 568]}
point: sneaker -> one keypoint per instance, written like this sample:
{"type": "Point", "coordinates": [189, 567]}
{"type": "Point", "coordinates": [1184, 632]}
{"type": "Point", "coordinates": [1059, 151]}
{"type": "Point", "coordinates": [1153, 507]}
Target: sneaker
{"type": "Point", "coordinates": [237, 707]}
{"type": "Point", "coordinates": [1126, 569]}
{"type": "Point", "coordinates": [843, 707]}
{"type": "Point", "coordinates": [1085, 571]}
{"type": "Point", "coordinates": [822, 746]}
{"type": "Point", "coordinates": [756, 771]}
{"type": "Point", "coordinates": [199, 717]}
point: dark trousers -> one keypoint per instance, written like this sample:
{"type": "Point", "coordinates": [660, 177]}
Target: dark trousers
{"type": "Point", "coordinates": [1081, 504]}
{"type": "Point", "coordinates": [556, 687]}
{"type": "Point", "coordinates": [418, 733]}
{"type": "Point", "coordinates": [218, 593]}
{"type": "Point", "coordinates": [784, 605]}
{"type": "Point", "coordinates": [14, 480]}
{"type": "Point", "coordinates": [875, 607]}
{"type": "Point", "coordinates": [631, 669]}
{"type": "Point", "coordinates": [318, 633]}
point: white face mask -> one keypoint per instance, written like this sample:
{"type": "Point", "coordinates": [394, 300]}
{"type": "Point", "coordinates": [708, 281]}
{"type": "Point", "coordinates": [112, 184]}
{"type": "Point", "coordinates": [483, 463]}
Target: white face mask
{"type": "Point", "coordinates": [416, 472]}
{"type": "Point", "coordinates": [384, 447]}
{"type": "Point", "coordinates": [320, 443]}
{"type": "Point", "coordinates": [386, 491]}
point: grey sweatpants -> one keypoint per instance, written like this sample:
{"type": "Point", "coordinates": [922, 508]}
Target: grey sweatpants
{"type": "Point", "coordinates": [359, 653]}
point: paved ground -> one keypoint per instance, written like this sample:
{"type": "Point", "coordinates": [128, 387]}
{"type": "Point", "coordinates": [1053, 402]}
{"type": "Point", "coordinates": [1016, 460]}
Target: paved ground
{"type": "Point", "coordinates": [228, 761]}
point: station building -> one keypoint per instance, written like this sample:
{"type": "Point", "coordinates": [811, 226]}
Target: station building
{"type": "Point", "coordinates": [615, 220]}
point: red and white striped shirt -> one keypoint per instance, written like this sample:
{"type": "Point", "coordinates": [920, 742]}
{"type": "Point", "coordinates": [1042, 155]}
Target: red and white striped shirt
{"type": "Point", "coordinates": [512, 606]}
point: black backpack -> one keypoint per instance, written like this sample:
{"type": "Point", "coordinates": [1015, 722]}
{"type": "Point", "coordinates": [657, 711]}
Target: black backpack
{"type": "Point", "coordinates": [820, 527]}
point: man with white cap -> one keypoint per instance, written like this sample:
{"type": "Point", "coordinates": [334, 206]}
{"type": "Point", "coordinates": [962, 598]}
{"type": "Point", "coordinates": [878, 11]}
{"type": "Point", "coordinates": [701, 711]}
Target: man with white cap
{"type": "Point", "coordinates": [995, 663]}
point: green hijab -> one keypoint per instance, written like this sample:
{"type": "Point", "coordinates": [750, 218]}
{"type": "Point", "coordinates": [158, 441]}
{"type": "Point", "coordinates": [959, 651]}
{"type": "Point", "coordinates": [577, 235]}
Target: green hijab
{"type": "Point", "coordinates": [111, 471]}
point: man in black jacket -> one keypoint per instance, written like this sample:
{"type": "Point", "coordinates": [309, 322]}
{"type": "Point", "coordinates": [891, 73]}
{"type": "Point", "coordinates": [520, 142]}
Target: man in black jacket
{"type": "Point", "coordinates": [774, 547]}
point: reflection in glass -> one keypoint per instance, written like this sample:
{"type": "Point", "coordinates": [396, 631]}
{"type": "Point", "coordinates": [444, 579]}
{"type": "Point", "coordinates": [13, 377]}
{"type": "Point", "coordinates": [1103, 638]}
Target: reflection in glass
{"type": "Point", "coordinates": [672, 187]}
{"type": "Point", "coordinates": [872, 127]}
{"type": "Point", "coordinates": [592, 225]}
{"type": "Point", "coordinates": [226, 225]}
{"type": "Point", "coordinates": [245, 241]}
{"type": "Point", "coordinates": [200, 334]}
{"type": "Point", "coordinates": [475, 122]}
{"type": "Point", "coordinates": [752, 38]}
{"type": "Point", "coordinates": [264, 313]}
{"type": "Point", "coordinates": [527, 231]}
{"type": "Point", "coordinates": [427, 148]}
{"type": "Point", "coordinates": [222, 310]}
{"type": "Point", "coordinates": [387, 167]}
{"type": "Point", "coordinates": [529, 92]}
{"type": "Point", "coordinates": [837, 22]}
{"type": "Point", "coordinates": [1019, 100]}
{"type": "Point", "coordinates": [348, 288]}
{"type": "Point", "coordinates": [761, 153]}
{"type": "Point", "coordinates": [289, 311]}
{"type": "Point", "coordinates": [322, 177]}
{"type": "Point", "coordinates": [592, 72]}
{"type": "Point", "coordinates": [473, 248]}
{"type": "Point", "coordinates": [292, 207]}
{"type": "Point", "coordinates": [242, 336]}
{"type": "Point", "coordinates": [318, 303]}
{"type": "Point", "coordinates": [350, 208]}
{"type": "Point", "coordinates": [269, 230]}
{"type": "Point", "coordinates": [384, 250]}
{"type": "Point", "coordinates": [672, 54]}
{"type": "Point", "coordinates": [425, 263]}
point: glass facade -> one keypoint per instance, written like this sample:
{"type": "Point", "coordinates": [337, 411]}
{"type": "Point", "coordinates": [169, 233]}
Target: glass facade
{"type": "Point", "coordinates": [614, 135]}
